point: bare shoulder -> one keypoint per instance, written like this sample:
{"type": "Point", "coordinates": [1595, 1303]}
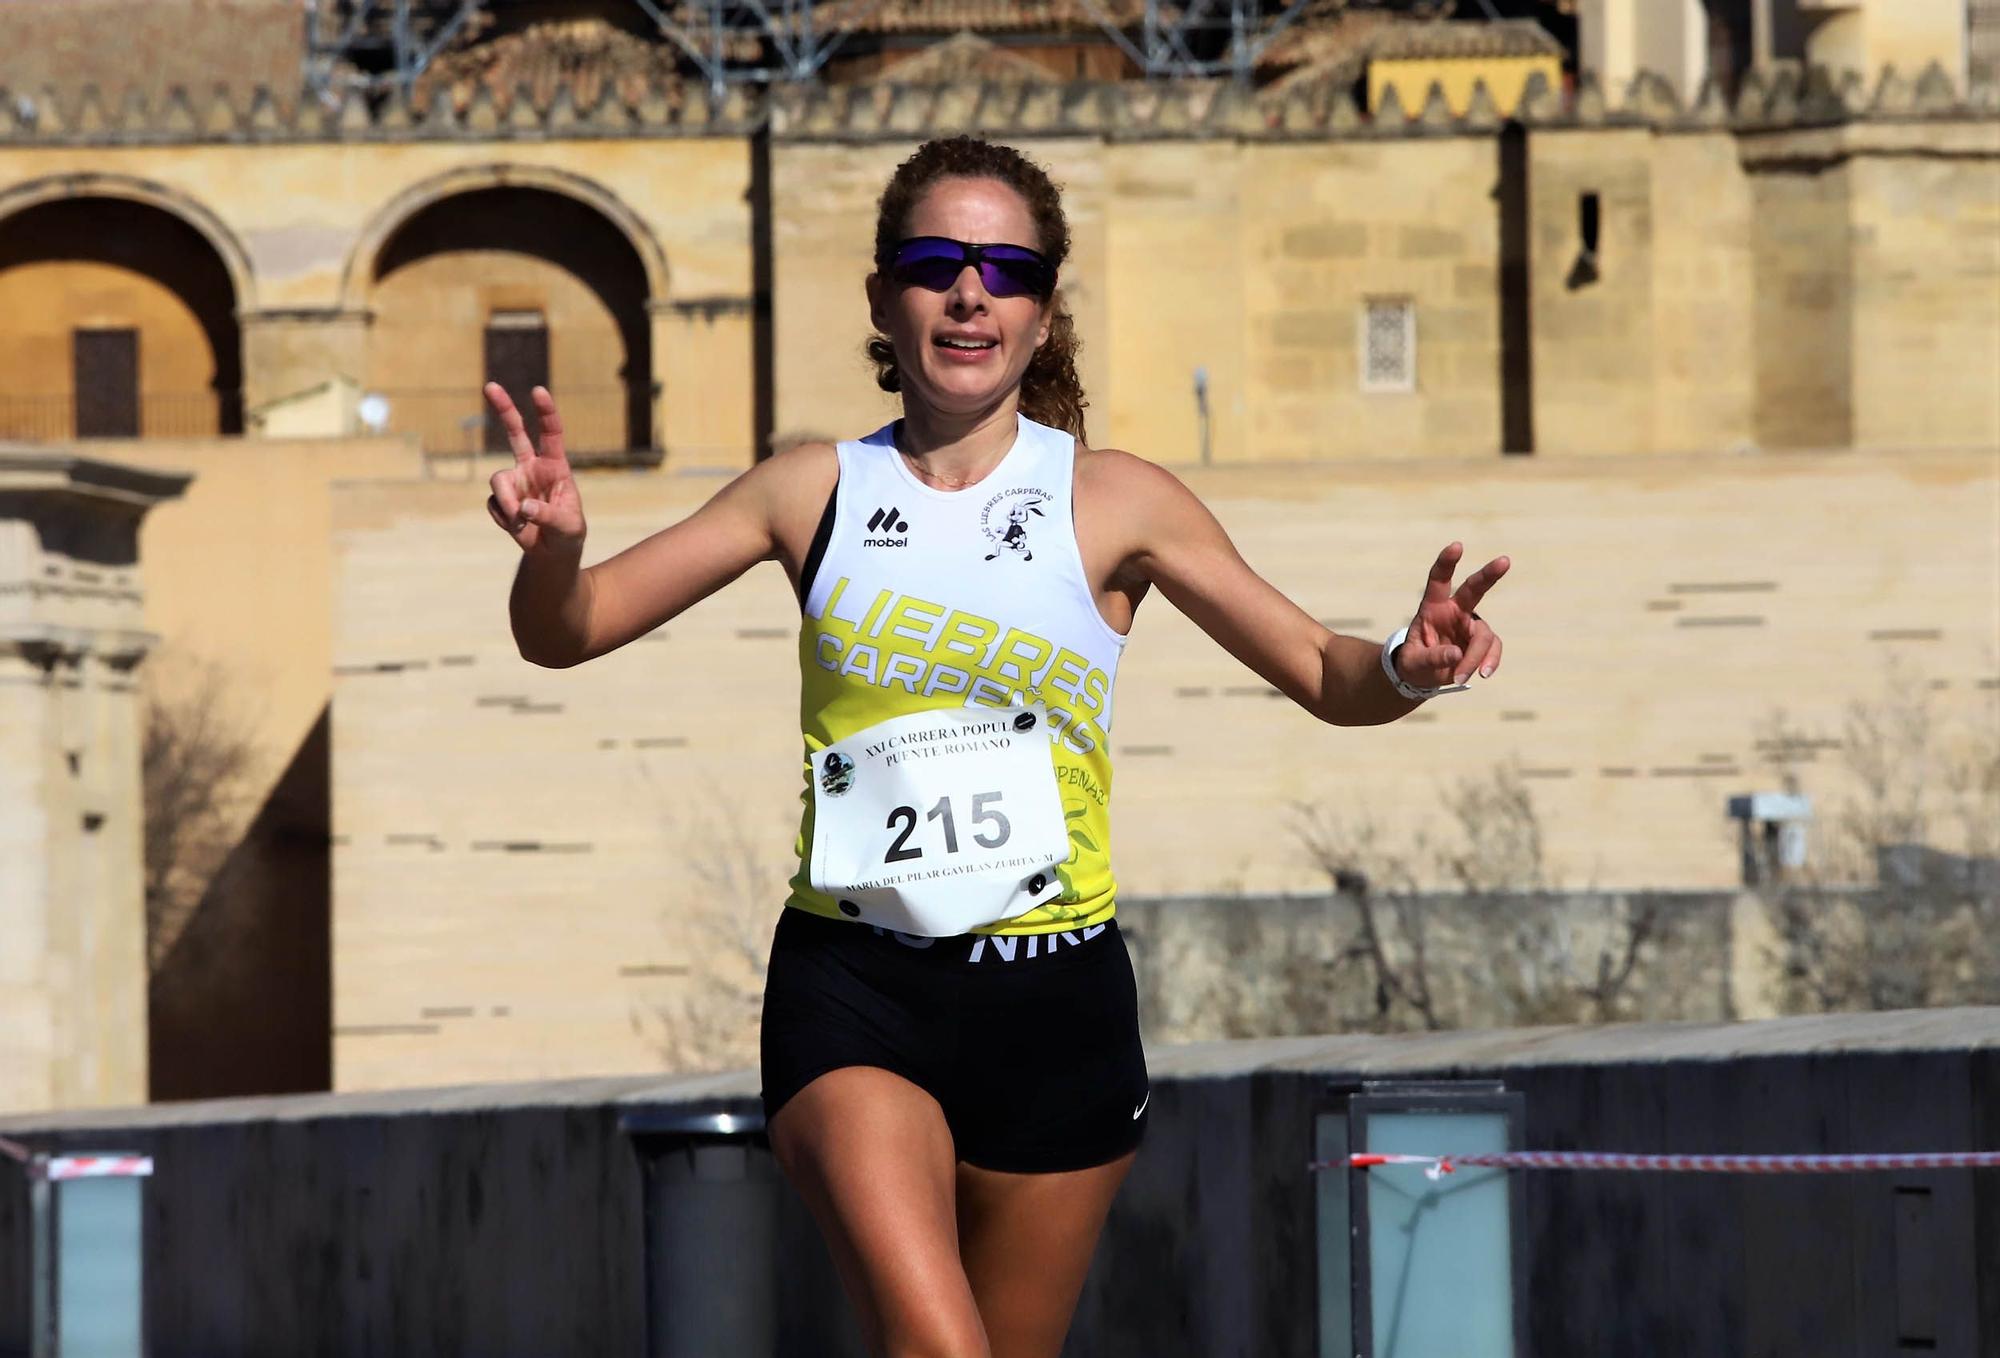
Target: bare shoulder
{"type": "Point", "coordinates": [812, 464]}
{"type": "Point", "coordinates": [1113, 472]}
{"type": "Point", "coordinates": [798, 476]}
{"type": "Point", "coordinates": [1128, 485]}
{"type": "Point", "coordinates": [792, 485]}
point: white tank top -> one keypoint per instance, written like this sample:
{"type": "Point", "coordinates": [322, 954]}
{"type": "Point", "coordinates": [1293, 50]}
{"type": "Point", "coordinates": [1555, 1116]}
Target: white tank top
{"type": "Point", "coordinates": [927, 610]}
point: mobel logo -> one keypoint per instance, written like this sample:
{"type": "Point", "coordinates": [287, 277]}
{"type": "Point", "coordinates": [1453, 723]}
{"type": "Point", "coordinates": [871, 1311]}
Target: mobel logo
{"type": "Point", "coordinates": [886, 521]}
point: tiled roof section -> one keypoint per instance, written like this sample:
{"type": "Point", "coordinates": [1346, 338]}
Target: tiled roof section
{"type": "Point", "coordinates": [1327, 30]}
{"type": "Point", "coordinates": [1341, 50]}
{"type": "Point", "coordinates": [965, 56]}
{"type": "Point", "coordinates": [583, 55]}
{"type": "Point", "coordinates": [1335, 50]}
{"type": "Point", "coordinates": [1497, 38]}
{"type": "Point", "coordinates": [979, 16]}
{"type": "Point", "coordinates": [151, 45]}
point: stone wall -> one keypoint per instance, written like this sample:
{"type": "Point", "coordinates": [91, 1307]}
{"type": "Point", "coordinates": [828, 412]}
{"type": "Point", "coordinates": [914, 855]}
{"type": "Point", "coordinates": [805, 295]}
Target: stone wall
{"type": "Point", "coordinates": [73, 974]}
{"type": "Point", "coordinates": [238, 575]}
{"type": "Point", "coordinates": [530, 866]}
{"type": "Point", "coordinates": [1752, 268]}
{"type": "Point", "coordinates": [241, 579]}
{"type": "Point", "coordinates": [1593, 351]}
{"type": "Point", "coordinates": [1723, 306]}
{"type": "Point", "coordinates": [1919, 349]}
{"type": "Point", "coordinates": [1704, 284]}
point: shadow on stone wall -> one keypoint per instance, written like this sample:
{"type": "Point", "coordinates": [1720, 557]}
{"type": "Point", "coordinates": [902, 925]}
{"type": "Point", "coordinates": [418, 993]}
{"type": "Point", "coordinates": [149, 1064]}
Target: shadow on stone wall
{"type": "Point", "coordinates": [243, 1003]}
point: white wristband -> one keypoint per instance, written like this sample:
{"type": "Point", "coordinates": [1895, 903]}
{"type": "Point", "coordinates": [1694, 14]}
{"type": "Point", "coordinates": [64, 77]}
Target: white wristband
{"type": "Point", "coordinates": [1403, 686]}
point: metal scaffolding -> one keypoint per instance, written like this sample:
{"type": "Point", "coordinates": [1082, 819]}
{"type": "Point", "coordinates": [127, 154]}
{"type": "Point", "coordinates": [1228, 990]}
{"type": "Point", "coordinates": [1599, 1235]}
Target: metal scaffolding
{"type": "Point", "coordinates": [380, 46]}
{"type": "Point", "coordinates": [791, 44]}
{"type": "Point", "coordinates": [377, 45]}
{"type": "Point", "coordinates": [1199, 37]}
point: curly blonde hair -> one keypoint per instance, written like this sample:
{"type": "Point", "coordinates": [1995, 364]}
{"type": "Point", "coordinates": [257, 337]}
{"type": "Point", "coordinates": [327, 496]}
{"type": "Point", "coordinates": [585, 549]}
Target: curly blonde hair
{"type": "Point", "coordinates": [1050, 391]}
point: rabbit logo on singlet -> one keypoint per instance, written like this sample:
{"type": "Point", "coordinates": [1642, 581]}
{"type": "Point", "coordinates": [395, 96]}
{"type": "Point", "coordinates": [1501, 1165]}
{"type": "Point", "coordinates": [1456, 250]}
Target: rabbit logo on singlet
{"type": "Point", "coordinates": [1006, 525]}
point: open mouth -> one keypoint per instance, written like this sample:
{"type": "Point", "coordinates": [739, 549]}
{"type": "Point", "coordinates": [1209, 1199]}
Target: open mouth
{"type": "Point", "coordinates": [958, 344]}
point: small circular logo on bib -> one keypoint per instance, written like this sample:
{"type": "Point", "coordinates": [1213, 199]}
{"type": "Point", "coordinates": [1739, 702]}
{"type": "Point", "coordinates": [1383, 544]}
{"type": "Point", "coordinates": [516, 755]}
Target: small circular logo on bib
{"type": "Point", "coordinates": [836, 775]}
{"type": "Point", "coordinates": [1036, 883]}
{"type": "Point", "coordinates": [850, 909]}
{"type": "Point", "coordinates": [1025, 722]}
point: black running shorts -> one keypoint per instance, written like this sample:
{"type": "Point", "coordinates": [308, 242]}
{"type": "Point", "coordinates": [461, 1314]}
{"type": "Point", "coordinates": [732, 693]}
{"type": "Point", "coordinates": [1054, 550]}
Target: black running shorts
{"type": "Point", "coordinates": [1030, 1043]}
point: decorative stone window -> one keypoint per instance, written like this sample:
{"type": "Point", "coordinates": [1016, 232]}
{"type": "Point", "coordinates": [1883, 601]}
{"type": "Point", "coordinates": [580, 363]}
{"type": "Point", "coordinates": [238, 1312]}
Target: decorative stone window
{"type": "Point", "coordinates": [1389, 344]}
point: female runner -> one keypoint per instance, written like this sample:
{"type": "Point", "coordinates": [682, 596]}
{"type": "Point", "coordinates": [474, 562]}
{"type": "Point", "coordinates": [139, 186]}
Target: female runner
{"type": "Point", "coordinates": [951, 1063]}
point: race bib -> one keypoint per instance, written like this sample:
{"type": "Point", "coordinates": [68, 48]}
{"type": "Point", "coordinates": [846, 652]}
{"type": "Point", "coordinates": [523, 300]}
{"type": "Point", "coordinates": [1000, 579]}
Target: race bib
{"type": "Point", "coordinates": [936, 823]}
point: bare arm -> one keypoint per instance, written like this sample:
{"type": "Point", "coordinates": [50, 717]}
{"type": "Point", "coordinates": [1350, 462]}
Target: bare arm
{"type": "Point", "coordinates": [662, 576]}
{"type": "Point", "coordinates": [1171, 540]}
{"type": "Point", "coordinates": [563, 614]}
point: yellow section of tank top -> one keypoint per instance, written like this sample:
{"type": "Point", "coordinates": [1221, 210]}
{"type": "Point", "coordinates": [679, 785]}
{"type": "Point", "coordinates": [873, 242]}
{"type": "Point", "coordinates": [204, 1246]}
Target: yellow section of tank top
{"type": "Point", "coordinates": [858, 667]}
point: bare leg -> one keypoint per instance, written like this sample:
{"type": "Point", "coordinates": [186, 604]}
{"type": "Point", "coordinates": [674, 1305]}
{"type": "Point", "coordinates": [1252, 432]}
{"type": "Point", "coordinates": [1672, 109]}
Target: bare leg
{"type": "Point", "coordinates": [871, 1155]}
{"type": "Point", "coordinates": [1026, 1240]}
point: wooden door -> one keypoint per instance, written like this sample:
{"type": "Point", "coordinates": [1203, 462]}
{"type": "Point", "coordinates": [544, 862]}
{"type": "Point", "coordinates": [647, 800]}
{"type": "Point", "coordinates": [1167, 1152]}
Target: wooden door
{"type": "Point", "coordinates": [106, 376]}
{"type": "Point", "coordinates": [517, 357]}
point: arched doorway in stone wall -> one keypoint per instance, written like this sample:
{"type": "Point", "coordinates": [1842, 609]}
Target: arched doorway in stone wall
{"type": "Point", "coordinates": [118, 317]}
{"type": "Point", "coordinates": [524, 284]}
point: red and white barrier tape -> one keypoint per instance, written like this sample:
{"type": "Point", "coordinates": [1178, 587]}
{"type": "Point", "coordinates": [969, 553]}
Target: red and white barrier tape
{"type": "Point", "coordinates": [59, 1167]}
{"type": "Point", "coordinates": [1437, 1166]}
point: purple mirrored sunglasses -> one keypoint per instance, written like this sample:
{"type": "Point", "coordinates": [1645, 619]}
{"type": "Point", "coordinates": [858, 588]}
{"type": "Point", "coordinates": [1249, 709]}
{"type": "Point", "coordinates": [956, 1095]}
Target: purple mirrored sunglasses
{"type": "Point", "coordinates": [934, 262]}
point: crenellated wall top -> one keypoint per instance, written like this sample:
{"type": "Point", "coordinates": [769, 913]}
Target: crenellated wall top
{"type": "Point", "coordinates": [1786, 100]}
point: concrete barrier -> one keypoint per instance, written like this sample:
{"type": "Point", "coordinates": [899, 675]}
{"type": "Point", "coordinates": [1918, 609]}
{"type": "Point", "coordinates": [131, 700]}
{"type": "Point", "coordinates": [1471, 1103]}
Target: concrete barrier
{"type": "Point", "coordinates": [500, 1220]}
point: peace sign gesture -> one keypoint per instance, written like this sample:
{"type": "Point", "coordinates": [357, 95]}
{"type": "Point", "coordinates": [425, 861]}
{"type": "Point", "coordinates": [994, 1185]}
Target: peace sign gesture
{"type": "Point", "coordinates": [1448, 639]}
{"type": "Point", "coordinates": [535, 501]}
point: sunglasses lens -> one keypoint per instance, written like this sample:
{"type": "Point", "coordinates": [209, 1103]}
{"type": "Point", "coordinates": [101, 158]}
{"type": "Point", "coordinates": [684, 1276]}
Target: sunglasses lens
{"type": "Point", "coordinates": [932, 264]}
{"type": "Point", "coordinates": [1005, 279]}
{"type": "Point", "coordinates": [1010, 273]}
{"type": "Point", "coordinates": [1005, 270]}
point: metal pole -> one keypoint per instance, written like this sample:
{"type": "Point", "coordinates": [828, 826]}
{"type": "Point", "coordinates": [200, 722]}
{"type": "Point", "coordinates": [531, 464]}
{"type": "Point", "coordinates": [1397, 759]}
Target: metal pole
{"type": "Point", "coordinates": [400, 37]}
{"type": "Point", "coordinates": [42, 1269]}
{"type": "Point", "coordinates": [1201, 410]}
{"type": "Point", "coordinates": [1239, 46]}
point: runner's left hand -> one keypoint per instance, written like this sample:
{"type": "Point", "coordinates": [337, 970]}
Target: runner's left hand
{"type": "Point", "coordinates": [1448, 640]}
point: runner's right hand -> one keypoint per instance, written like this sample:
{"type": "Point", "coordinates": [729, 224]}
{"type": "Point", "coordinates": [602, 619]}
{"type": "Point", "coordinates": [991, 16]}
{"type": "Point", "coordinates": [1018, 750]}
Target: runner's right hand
{"type": "Point", "coordinates": [535, 501]}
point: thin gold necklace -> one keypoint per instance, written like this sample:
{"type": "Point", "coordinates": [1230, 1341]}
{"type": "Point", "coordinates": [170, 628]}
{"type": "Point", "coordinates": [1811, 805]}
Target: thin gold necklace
{"type": "Point", "coordinates": [950, 482]}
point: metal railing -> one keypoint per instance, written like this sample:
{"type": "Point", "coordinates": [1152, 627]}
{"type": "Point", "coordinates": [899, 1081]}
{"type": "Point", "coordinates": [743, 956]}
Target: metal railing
{"type": "Point", "coordinates": [52, 417]}
{"type": "Point", "coordinates": [455, 421]}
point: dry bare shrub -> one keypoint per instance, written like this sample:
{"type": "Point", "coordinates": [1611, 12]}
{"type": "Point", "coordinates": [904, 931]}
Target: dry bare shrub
{"type": "Point", "coordinates": [197, 755]}
{"type": "Point", "coordinates": [1466, 925]}
{"type": "Point", "coordinates": [1898, 905]}
{"type": "Point", "coordinates": [711, 1021]}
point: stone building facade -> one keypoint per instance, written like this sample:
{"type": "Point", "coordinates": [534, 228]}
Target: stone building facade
{"type": "Point", "coordinates": [1637, 288]}
{"type": "Point", "coordinates": [1414, 283]}
{"type": "Point", "coordinates": [1689, 42]}
{"type": "Point", "coordinates": [72, 635]}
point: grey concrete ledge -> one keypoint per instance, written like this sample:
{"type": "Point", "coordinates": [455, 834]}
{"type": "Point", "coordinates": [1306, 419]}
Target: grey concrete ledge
{"type": "Point", "coordinates": [1356, 1054]}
